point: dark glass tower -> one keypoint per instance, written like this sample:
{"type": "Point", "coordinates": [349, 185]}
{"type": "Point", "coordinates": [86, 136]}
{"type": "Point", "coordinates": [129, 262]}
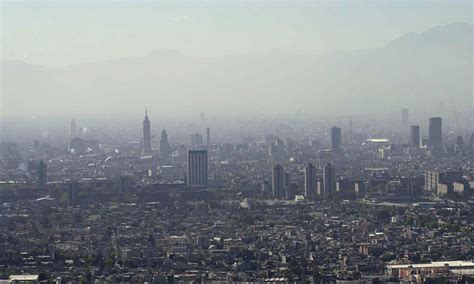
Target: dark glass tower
{"type": "Point", "coordinates": [436, 134]}
{"type": "Point", "coordinates": [415, 136]}
{"type": "Point", "coordinates": [278, 182]}
{"type": "Point", "coordinates": [329, 180]}
{"type": "Point", "coordinates": [336, 138]}
{"type": "Point", "coordinates": [310, 181]}
{"type": "Point", "coordinates": [42, 177]}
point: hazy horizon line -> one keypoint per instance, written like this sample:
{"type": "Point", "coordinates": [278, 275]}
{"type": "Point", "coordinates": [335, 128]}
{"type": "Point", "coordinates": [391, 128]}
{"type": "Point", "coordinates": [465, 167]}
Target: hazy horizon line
{"type": "Point", "coordinates": [183, 53]}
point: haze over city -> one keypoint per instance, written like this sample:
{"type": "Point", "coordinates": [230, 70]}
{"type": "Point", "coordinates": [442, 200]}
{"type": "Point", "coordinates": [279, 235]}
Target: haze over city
{"type": "Point", "coordinates": [235, 57]}
{"type": "Point", "coordinates": [325, 142]}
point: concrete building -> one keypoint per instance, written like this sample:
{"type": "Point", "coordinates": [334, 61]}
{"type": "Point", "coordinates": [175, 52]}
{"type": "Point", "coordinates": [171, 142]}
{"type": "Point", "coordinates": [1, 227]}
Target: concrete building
{"type": "Point", "coordinates": [165, 148]}
{"type": "Point", "coordinates": [197, 168]}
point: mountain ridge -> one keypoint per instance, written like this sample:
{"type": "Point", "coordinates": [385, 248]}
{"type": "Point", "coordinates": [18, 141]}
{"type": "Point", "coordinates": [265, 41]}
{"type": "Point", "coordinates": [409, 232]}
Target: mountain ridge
{"type": "Point", "coordinates": [365, 79]}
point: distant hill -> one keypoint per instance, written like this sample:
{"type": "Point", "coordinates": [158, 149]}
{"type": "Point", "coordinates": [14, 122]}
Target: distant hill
{"type": "Point", "coordinates": [412, 70]}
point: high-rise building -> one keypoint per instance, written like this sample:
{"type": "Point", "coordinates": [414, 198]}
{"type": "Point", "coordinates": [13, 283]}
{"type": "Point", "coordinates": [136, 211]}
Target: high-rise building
{"type": "Point", "coordinates": [436, 134]}
{"type": "Point", "coordinates": [405, 117]}
{"type": "Point", "coordinates": [460, 141]}
{"type": "Point", "coordinates": [310, 181]}
{"type": "Point", "coordinates": [146, 133]}
{"type": "Point", "coordinates": [42, 175]}
{"type": "Point", "coordinates": [197, 141]}
{"type": "Point", "coordinates": [165, 148]}
{"type": "Point", "coordinates": [329, 180]}
{"type": "Point", "coordinates": [291, 191]}
{"type": "Point", "coordinates": [287, 182]}
{"type": "Point", "coordinates": [336, 138]}
{"type": "Point", "coordinates": [208, 137]}
{"type": "Point", "coordinates": [197, 168]}
{"type": "Point", "coordinates": [415, 136]}
{"type": "Point", "coordinates": [278, 182]}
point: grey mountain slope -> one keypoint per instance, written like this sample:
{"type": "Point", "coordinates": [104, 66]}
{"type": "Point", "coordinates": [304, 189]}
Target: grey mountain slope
{"type": "Point", "coordinates": [412, 70]}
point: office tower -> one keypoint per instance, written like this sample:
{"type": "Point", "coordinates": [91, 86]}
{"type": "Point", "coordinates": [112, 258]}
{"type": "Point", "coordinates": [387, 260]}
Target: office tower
{"type": "Point", "coordinates": [436, 134]}
{"type": "Point", "coordinates": [310, 181]}
{"type": "Point", "coordinates": [73, 129]}
{"type": "Point", "coordinates": [405, 118]}
{"type": "Point", "coordinates": [415, 136]}
{"type": "Point", "coordinates": [266, 188]}
{"type": "Point", "coordinates": [196, 140]}
{"type": "Point", "coordinates": [336, 138]}
{"type": "Point", "coordinates": [291, 191]}
{"type": "Point", "coordinates": [208, 137]}
{"type": "Point", "coordinates": [287, 185]}
{"type": "Point", "coordinates": [278, 182]}
{"type": "Point", "coordinates": [146, 133]}
{"type": "Point", "coordinates": [329, 180]}
{"type": "Point", "coordinates": [197, 168]}
{"type": "Point", "coordinates": [42, 177]}
{"type": "Point", "coordinates": [460, 141]}
{"type": "Point", "coordinates": [165, 148]}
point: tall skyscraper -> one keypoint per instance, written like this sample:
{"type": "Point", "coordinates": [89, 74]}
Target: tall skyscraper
{"type": "Point", "coordinates": [165, 148]}
{"type": "Point", "coordinates": [208, 137]}
{"type": "Point", "coordinates": [405, 117]}
{"type": "Point", "coordinates": [460, 141]}
{"type": "Point", "coordinates": [287, 183]}
{"type": "Point", "coordinates": [197, 141]}
{"type": "Point", "coordinates": [310, 181]}
{"type": "Point", "coordinates": [336, 138]}
{"type": "Point", "coordinates": [436, 134]}
{"type": "Point", "coordinates": [329, 180]}
{"type": "Point", "coordinates": [197, 168]}
{"type": "Point", "coordinates": [42, 175]}
{"type": "Point", "coordinates": [278, 182]}
{"type": "Point", "coordinates": [146, 133]}
{"type": "Point", "coordinates": [415, 136]}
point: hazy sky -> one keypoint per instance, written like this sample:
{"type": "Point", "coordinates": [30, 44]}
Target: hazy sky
{"type": "Point", "coordinates": [69, 32]}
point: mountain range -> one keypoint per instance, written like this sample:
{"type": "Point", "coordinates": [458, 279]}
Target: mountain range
{"type": "Point", "coordinates": [416, 70]}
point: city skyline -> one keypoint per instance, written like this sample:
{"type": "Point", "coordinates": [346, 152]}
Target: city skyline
{"type": "Point", "coordinates": [319, 142]}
